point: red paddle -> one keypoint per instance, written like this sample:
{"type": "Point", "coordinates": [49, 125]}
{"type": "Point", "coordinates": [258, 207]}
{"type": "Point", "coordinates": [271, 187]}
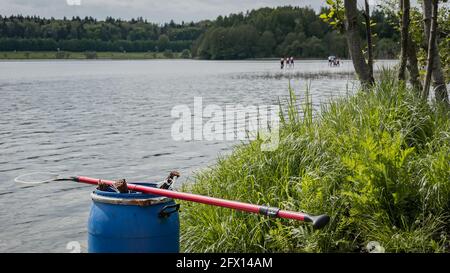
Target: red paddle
{"type": "Point", "coordinates": [317, 221]}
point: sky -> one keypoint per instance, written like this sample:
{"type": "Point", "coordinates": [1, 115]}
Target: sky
{"type": "Point", "coordinates": [158, 11]}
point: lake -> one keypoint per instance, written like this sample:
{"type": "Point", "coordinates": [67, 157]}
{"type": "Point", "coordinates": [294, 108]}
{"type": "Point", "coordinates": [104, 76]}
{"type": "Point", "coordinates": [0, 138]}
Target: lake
{"type": "Point", "coordinates": [112, 119]}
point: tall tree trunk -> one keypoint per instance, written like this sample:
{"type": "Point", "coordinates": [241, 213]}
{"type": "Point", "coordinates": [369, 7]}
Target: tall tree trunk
{"type": "Point", "coordinates": [404, 7]}
{"type": "Point", "coordinates": [369, 38]}
{"type": "Point", "coordinates": [430, 59]}
{"type": "Point", "coordinates": [354, 43]}
{"type": "Point", "coordinates": [413, 67]}
{"type": "Point", "coordinates": [430, 9]}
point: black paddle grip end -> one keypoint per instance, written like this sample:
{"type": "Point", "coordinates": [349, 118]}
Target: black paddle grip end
{"type": "Point", "coordinates": [318, 222]}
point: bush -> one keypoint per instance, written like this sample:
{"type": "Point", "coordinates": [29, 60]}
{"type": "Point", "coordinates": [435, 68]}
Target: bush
{"type": "Point", "coordinates": [168, 54]}
{"type": "Point", "coordinates": [377, 162]}
{"type": "Point", "coordinates": [186, 54]}
{"type": "Point", "coordinates": [62, 55]}
{"type": "Point", "coordinates": [90, 55]}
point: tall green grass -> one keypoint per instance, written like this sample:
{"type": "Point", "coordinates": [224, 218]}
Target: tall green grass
{"type": "Point", "coordinates": [377, 162]}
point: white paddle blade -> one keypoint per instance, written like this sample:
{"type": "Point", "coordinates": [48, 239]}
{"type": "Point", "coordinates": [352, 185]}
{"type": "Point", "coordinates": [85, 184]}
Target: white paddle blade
{"type": "Point", "coordinates": [36, 178]}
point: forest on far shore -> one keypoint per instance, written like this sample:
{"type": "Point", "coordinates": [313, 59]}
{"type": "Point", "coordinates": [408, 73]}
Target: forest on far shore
{"type": "Point", "coordinates": [261, 33]}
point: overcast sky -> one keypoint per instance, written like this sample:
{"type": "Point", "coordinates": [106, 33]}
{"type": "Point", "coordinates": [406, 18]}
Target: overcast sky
{"type": "Point", "coordinates": [157, 11]}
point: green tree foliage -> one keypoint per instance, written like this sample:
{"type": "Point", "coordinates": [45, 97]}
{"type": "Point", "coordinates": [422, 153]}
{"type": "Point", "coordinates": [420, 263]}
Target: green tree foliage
{"type": "Point", "coordinates": [186, 54]}
{"type": "Point", "coordinates": [266, 44]}
{"type": "Point", "coordinates": [443, 37]}
{"type": "Point", "coordinates": [261, 33]}
{"type": "Point", "coordinates": [390, 26]}
{"type": "Point", "coordinates": [285, 31]}
{"type": "Point", "coordinates": [88, 34]}
{"type": "Point", "coordinates": [386, 49]}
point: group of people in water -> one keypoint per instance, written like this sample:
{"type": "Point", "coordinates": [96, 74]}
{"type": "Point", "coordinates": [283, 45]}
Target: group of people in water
{"type": "Point", "coordinates": [334, 61]}
{"type": "Point", "coordinates": [287, 62]}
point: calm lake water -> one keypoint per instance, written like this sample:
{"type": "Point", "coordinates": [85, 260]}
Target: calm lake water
{"type": "Point", "coordinates": [111, 119]}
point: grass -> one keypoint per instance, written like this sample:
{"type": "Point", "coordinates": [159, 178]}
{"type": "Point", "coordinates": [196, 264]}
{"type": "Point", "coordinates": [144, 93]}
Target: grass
{"type": "Point", "coordinates": [337, 74]}
{"type": "Point", "coordinates": [36, 55]}
{"type": "Point", "coordinates": [377, 162]}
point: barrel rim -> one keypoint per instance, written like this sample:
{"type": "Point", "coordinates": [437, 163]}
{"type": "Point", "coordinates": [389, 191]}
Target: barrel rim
{"type": "Point", "coordinates": [130, 201]}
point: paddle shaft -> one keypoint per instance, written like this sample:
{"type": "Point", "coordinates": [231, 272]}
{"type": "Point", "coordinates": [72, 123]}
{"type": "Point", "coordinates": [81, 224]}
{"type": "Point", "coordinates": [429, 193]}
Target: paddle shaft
{"type": "Point", "coordinates": [264, 210]}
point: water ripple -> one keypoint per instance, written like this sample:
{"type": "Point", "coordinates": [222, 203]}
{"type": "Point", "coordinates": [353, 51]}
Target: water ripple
{"type": "Point", "coordinates": [105, 120]}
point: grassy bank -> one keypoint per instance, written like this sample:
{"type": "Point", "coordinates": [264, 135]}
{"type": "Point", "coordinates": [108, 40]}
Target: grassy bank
{"type": "Point", "coordinates": [39, 55]}
{"type": "Point", "coordinates": [378, 163]}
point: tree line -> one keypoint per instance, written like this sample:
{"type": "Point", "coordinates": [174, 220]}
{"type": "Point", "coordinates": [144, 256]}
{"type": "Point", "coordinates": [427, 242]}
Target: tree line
{"type": "Point", "coordinates": [260, 33]}
{"type": "Point", "coordinates": [287, 31]}
{"type": "Point", "coordinates": [33, 33]}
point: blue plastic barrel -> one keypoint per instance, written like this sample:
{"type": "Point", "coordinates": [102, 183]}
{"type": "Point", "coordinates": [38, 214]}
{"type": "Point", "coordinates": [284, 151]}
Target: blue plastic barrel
{"type": "Point", "coordinates": [133, 222]}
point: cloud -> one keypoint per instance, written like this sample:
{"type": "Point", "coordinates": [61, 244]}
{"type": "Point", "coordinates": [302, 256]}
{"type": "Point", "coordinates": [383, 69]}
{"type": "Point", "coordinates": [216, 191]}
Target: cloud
{"type": "Point", "coordinates": [153, 10]}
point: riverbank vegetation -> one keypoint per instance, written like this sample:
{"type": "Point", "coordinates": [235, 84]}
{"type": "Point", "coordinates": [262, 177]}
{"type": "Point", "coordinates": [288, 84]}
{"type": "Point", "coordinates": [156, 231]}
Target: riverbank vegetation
{"type": "Point", "coordinates": [377, 162]}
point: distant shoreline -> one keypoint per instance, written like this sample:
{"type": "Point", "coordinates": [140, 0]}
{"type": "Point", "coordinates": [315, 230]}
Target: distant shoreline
{"type": "Point", "coordinates": [109, 55]}
{"type": "Point", "coordinates": [70, 55]}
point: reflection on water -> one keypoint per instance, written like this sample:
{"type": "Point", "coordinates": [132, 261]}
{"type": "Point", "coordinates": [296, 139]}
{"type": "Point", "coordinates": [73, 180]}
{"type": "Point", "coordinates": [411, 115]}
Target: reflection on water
{"type": "Point", "coordinates": [111, 119]}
